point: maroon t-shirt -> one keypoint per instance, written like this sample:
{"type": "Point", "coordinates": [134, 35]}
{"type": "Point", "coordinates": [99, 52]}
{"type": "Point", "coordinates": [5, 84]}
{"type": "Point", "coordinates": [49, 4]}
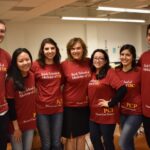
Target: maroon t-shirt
{"type": "Point", "coordinates": [103, 89]}
{"type": "Point", "coordinates": [145, 92]}
{"type": "Point", "coordinates": [24, 102]}
{"type": "Point", "coordinates": [131, 103]}
{"type": "Point", "coordinates": [4, 64]}
{"type": "Point", "coordinates": [76, 75]}
{"type": "Point", "coordinates": [48, 84]}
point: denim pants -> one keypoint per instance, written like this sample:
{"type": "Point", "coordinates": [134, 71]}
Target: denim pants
{"type": "Point", "coordinates": [146, 124]}
{"type": "Point", "coordinates": [26, 143]}
{"type": "Point", "coordinates": [102, 136]}
{"type": "Point", "coordinates": [3, 131]}
{"type": "Point", "coordinates": [129, 126]}
{"type": "Point", "coordinates": [50, 129]}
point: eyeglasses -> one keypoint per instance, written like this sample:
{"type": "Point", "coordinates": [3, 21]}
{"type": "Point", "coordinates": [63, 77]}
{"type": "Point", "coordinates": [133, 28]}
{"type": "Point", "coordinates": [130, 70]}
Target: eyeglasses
{"type": "Point", "coordinates": [2, 31]}
{"type": "Point", "coordinates": [99, 58]}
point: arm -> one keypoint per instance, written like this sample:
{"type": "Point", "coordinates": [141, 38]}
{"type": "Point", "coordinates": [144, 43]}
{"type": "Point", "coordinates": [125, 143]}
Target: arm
{"type": "Point", "coordinates": [17, 132]}
{"type": "Point", "coordinates": [13, 117]}
{"type": "Point", "coordinates": [11, 110]}
{"type": "Point", "coordinates": [120, 93]}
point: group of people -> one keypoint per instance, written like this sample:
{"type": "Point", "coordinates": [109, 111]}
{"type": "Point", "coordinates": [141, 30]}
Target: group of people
{"type": "Point", "coordinates": [71, 98]}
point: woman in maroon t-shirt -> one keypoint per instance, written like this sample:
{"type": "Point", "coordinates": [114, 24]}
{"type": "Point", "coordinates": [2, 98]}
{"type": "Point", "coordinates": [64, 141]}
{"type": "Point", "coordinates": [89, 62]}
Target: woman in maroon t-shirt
{"type": "Point", "coordinates": [105, 90]}
{"type": "Point", "coordinates": [77, 74]}
{"type": "Point", "coordinates": [131, 105]}
{"type": "Point", "coordinates": [20, 94]}
{"type": "Point", "coordinates": [49, 103]}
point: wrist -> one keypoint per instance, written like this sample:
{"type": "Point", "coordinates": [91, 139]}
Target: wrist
{"type": "Point", "coordinates": [16, 128]}
{"type": "Point", "coordinates": [109, 103]}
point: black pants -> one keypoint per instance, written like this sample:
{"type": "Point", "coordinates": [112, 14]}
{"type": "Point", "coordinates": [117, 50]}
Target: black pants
{"type": "Point", "coordinates": [3, 131]}
{"type": "Point", "coordinates": [105, 131]}
{"type": "Point", "coordinates": [146, 124]}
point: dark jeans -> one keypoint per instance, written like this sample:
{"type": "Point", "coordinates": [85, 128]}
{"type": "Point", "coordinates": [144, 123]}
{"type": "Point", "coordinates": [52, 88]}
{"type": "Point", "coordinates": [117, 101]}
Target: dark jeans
{"type": "Point", "coordinates": [105, 131]}
{"type": "Point", "coordinates": [129, 126]}
{"type": "Point", "coordinates": [3, 131]}
{"type": "Point", "coordinates": [146, 124]}
{"type": "Point", "coordinates": [50, 129]}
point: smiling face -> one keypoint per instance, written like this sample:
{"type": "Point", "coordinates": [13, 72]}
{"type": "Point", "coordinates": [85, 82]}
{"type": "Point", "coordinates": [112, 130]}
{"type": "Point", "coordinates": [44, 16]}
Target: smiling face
{"type": "Point", "coordinates": [23, 63]}
{"type": "Point", "coordinates": [77, 51]}
{"type": "Point", "coordinates": [126, 58]}
{"type": "Point", "coordinates": [49, 52]}
{"type": "Point", "coordinates": [98, 60]}
{"type": "Point", "coordinates": [2, 32]}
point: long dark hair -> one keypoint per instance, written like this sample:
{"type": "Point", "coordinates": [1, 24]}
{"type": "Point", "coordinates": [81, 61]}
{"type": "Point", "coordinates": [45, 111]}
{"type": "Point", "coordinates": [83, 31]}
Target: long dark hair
{"type": "Point", "coordinates": [14, 72]}
{"type": "Point", "coordinates": [102, 73]}
{"type": "Point", "coordinates": [132, 50]}
{"type": "Point", "coordinates": [41, 56]}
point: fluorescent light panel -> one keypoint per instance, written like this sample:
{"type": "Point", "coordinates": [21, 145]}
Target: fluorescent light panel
{"type": "Point", "coordinates": [126, 20]}
{"type": "Point", "coordinates": [146, 11]}
{"type": "Point", "coordinates": [102, 19]}
{"type": "Point", "coordinates": [84, 19]}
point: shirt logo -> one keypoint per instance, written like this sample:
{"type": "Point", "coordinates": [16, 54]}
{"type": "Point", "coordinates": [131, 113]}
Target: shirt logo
{"type": "Point", "coordinates": [108, 110]}
{"type": "Point", "coordinates": [50, 75]}
{"type": "Point", "coordinates": [146, 67]}
{"type": "Point", "coordinates": [129, 84]}
{"type": "Point", "coordinates": [81, 74]}
{"type": "Point", "coordinates": [28, 91]}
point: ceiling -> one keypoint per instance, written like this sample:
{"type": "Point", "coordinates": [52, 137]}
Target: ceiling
{"type": "Point", "coordinates": [24, 10]}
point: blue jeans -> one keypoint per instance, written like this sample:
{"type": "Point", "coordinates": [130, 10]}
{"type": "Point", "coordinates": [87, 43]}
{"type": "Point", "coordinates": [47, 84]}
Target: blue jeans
{"type": "Point", "coordinates": [26, 143]}
{"type": "Point", "coordinates": [50, 129]}
{"type": "Point", "coordinates": [105, 131]}
{"type": "Point", "coordinates": [129, 125]}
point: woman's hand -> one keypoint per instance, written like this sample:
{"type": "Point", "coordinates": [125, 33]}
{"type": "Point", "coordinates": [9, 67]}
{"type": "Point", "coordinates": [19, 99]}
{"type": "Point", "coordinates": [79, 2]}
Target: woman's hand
{"type": "Point", "coordinates": [103, 103]}
{"type": "Point", "coordinates": [17, 135]}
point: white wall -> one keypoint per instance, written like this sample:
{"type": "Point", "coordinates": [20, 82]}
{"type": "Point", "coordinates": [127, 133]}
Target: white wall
{"type": "Point", "coordinates": [112, 36]}
{"type": "Point", "coordinates": [103, 35]}
{"type": "Point", "coordinates": [145, 45]}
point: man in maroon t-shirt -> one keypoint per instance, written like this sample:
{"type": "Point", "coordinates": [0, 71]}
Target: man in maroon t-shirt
{"type": "Point", "coordinates": [4, 64]}
{"type": "Point", "coordinates": [145, 64]}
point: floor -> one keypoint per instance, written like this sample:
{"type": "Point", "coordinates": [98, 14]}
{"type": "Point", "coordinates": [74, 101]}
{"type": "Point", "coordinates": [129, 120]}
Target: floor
{"type": "Point", "coordinates": [139, 142]}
